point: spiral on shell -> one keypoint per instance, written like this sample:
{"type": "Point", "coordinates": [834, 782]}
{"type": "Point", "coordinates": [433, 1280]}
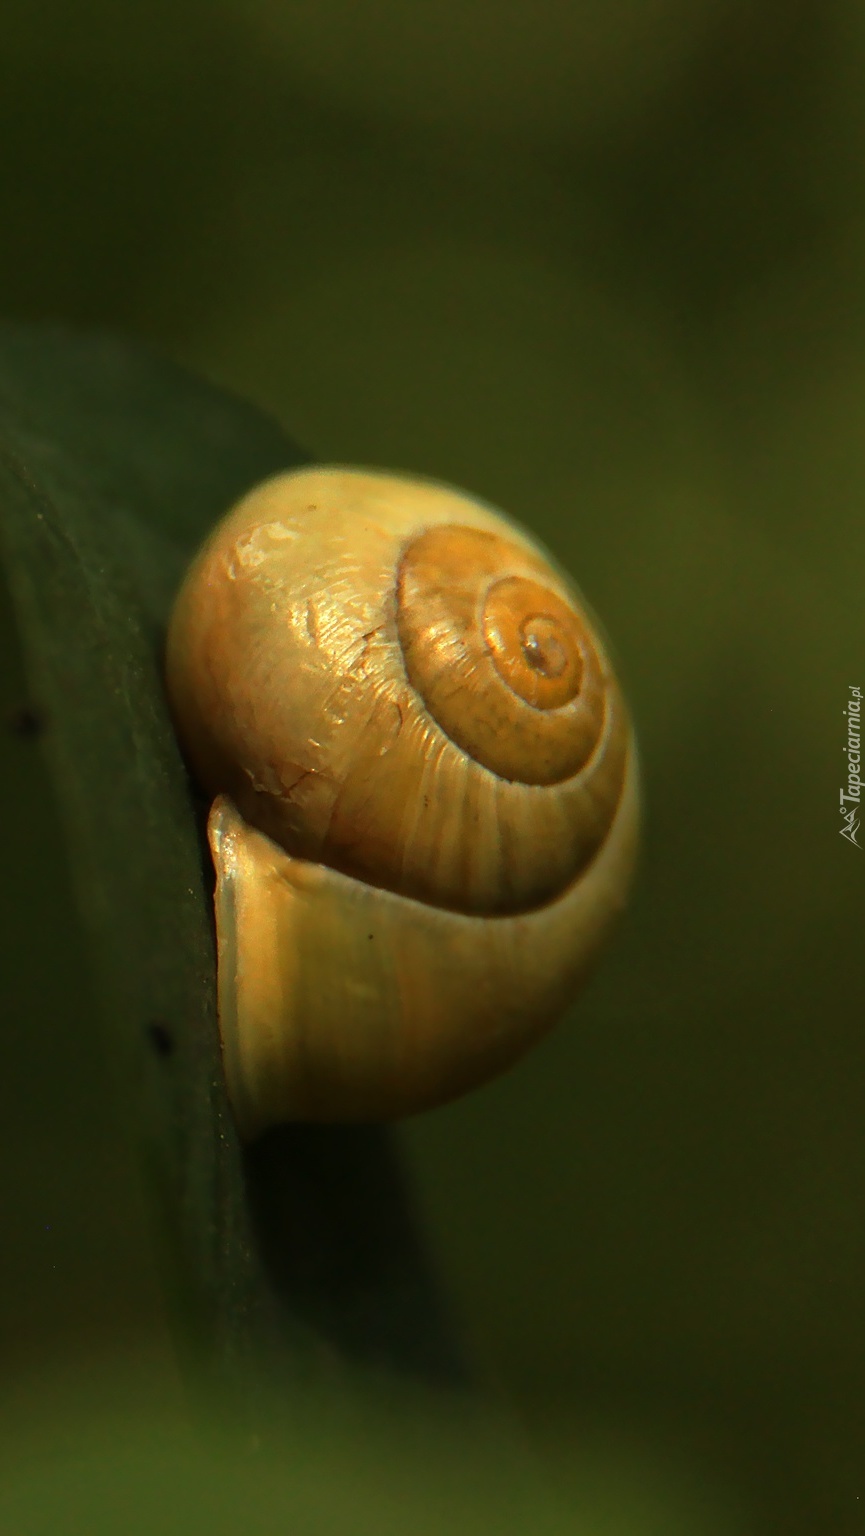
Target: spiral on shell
{"type": "Point", "coordinates": [390, 681]}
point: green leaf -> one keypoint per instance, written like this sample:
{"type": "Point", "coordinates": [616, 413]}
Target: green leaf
{"type": "Point", "coordinates": [301, 1252]}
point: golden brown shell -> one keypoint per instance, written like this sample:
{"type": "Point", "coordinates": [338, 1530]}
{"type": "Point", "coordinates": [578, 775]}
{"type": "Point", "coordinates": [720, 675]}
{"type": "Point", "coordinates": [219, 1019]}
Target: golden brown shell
{"type": "Point", "coordinates": [391, 680]}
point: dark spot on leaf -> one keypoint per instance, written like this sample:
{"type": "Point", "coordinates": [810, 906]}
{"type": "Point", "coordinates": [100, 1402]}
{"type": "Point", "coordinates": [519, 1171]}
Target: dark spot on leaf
{"type": "Point", "coordinates": [160, 1038]}
{"type": "Point", "coordinates": [27, 722]}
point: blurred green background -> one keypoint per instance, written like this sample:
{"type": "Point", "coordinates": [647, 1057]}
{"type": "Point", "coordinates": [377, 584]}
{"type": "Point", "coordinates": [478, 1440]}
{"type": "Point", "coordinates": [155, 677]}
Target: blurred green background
{"type": "Point", "coordinates": [600, 263]}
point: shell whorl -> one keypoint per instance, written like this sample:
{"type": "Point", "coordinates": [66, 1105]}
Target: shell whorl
{"type": "Point", "coordinates": [389, 678]}
{"type": "Point", "coordinates": [504, 665]}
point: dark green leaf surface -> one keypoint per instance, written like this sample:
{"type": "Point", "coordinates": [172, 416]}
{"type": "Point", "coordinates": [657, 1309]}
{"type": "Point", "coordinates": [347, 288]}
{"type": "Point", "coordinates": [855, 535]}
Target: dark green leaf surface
{"type": "Point", "coordinates": [113, 464]}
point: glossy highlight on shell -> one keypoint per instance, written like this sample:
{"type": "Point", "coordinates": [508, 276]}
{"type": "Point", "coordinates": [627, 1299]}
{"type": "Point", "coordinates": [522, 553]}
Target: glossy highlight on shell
{"type": "Point", "coordinates": [402, 707]}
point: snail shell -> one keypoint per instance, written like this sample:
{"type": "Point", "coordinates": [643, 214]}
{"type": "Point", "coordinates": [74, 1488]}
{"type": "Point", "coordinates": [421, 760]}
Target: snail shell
{"type": "Point", "coordinates": [425, 790]}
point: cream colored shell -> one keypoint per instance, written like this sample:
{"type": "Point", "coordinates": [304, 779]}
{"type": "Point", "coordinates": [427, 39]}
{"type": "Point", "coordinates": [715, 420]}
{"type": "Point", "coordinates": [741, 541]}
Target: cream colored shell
{"type": "Point", "coordinates": [425, 790]}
